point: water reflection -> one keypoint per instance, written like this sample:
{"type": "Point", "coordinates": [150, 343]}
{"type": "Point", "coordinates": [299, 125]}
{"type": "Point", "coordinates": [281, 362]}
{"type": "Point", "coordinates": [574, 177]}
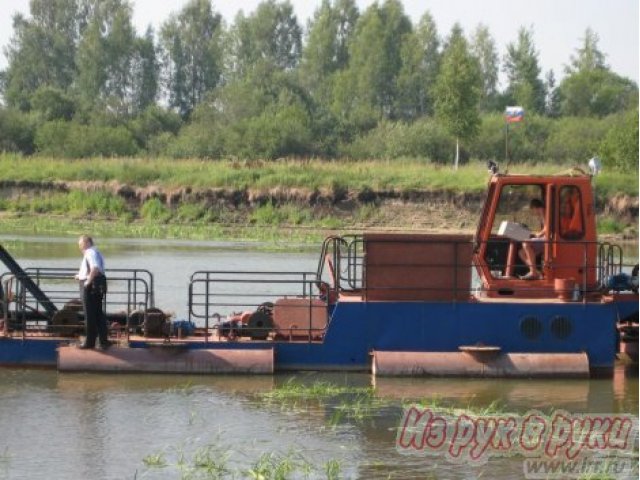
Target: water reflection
{"type": "Point", "coordinates": [104, 425]}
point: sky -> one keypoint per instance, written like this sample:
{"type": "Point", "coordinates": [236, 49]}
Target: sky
{"type": "Point", "coordinates": [558, 25]}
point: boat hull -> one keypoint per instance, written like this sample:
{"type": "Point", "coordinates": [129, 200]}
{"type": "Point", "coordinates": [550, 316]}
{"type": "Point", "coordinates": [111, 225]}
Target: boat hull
{"type": "Point", "coordinates": [357, 329]}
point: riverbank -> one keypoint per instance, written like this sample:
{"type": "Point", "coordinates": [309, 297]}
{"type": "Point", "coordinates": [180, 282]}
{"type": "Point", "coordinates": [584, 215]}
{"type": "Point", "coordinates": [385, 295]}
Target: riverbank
{"type": "Point", "coordinates": [281, 201]}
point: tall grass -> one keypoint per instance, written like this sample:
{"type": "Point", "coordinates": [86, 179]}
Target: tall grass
{"type": "Point", "coordinates": [399, 175]}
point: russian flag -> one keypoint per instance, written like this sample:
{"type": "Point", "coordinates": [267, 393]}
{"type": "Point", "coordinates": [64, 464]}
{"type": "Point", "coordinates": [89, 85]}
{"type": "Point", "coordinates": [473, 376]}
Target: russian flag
{"type": "Point", "coordinates": [514, 114]}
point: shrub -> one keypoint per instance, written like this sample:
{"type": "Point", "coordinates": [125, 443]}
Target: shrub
{"type": "Point", "coordinates": [424, 138]}
{"type": "Point", "coordinates": [190, 212]}
{"type": "Point", "coordinates": [280, 131]}
{"type": "Point", "coordinates": [153, 122]}
{"type": "Point", "coordinates": [16, 131]}
{"type": "Point", "coordinates": [52, 104]}
{"type": "Point", "coordinates": [197, 140]}
{"type": "Point", "coordinates": [489, 144]}
{"type": "Point", "coordinates": [576, 138]}
{"type": "Point", "coordinates": [72, 140]}
{"type": "Point", "coordinates": [154, 210]}
{"type": "Point", "coordinates": [619, 147]}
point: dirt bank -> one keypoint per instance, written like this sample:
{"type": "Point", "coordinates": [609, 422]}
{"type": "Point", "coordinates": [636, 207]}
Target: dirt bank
{"type": "Point", "coordinates": [621, 206]}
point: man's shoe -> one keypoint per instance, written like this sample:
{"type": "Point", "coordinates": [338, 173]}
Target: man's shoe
{"type": "Point", "coordinates": [84, 346]}
{"type": "Point", "coordinates": [106, 345]}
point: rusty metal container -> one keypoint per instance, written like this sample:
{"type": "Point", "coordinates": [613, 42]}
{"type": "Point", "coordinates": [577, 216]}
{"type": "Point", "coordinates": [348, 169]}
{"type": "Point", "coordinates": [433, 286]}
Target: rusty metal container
{"type": "Point", "coordinates": [299, 317]}
{"type": "Point", "coordinates": [408, 267]}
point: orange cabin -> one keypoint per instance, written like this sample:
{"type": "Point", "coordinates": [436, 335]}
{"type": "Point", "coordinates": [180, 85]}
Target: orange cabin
{"type": "Point", "coordinates": [568, 251]}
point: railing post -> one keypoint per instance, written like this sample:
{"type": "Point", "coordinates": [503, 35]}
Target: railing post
{"type": "Point", "coordinates": [584, 271]}
{"type": "Point", "coordinates": [206, 311]}
{"type": "Point", "coordinates": [455, 272]}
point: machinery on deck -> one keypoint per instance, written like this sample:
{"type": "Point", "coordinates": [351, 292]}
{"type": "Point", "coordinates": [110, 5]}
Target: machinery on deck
{"type": "Point", "coordinates": [44, 301]}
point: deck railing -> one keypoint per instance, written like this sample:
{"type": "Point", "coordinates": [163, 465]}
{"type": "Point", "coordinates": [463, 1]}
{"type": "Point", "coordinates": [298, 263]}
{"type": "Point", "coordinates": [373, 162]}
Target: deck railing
{"type": "Point", "coordinates": [299, 305]}
{"type": "Point", "coordinates": [297, 298]}
{"type": "Point", "coordinates": [129, 291]}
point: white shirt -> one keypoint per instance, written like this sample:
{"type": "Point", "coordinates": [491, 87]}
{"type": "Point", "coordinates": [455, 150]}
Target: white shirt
{"type": "Point", "coordinates": [92, 259]}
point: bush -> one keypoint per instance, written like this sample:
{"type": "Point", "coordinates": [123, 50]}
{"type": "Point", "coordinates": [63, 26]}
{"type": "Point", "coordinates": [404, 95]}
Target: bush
{"type": "Point", "coordinates": [424, 138]}
{"type": "Point", "coordinates": [280, 131]}
{"type": "Point", "coordinates": [576, 138]}
{"type": "Point", "coordinates": [16, 131]}
{"type": "Point", "coordinates": [619, 147]}
{"type": "Point", "coordinates": [72, 140]}
{"type": "Point", "coordinates": [197, 140]}
{"type": "Point", "coordinates": [154, 210]}
{"type": "Point", "coordinates": [153, 122]}
{"type": "Point", "coordinates": [52, 104]}
{"type": "Point", "coordinates": [489, 144]}
{"type": "Point", "coordinates": [190, 212]}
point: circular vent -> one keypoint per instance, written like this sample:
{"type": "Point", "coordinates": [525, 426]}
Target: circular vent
{"type": "Point", "coordinates": [561, 327]}
{"type": "Point", "coordinates": [530, 327]}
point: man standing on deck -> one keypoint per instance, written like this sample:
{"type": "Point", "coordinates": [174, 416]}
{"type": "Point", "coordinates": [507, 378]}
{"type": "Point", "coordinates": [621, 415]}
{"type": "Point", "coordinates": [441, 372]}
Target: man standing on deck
{"type": "Point", "coordinates": [93, 287]}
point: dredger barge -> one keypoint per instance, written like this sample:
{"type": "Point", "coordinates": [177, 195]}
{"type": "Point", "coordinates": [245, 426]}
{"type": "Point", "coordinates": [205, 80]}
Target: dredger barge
{"type": "Point", "coordinates": [391, 304]}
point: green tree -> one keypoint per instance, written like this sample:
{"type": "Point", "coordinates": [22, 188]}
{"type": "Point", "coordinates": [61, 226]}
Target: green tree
{"type": "Point", "coordinates": [420, 63]}
{"type": "Point", "coordinates": [52, 103]}
{"type": "Point", "coordinates": [145, 72]}
{"type": "Point", "coordinates": [590, 88]}
{"type": "Point", "coordinates": [483, 47]}
{"type": "Point", "coordinates": [105, 56]}
{"type": "Point", "coordinates": [41, 51]}
{"type": "Point", "coordinates": [271, 35]}
{"type": "Point", "coordinates": [458, 89]}
{"type": "Point", "coordinates": [588, 56]}
{"type": "Point", "coordinates": [619, 149]}
{"type": "Point", "coordinates": [596, 92]}
{"type": "Point", "coordinates": [552, 102]}
{"type": "Point", "coordinates": [523, 73]}
{"type": "Point", "coordinates": [325, 55]}
{"type": "Point", "coordinates": [327, 47]}
{"type": "Point", "coordinates": [17, 131]}
{"type": "Point", "coordinates": [367, 90]}
{"type": "Point", "coordinates": [191, 42]}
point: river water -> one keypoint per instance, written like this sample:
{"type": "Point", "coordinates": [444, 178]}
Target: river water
{"type": "Point", "coordinates": [77, 426]}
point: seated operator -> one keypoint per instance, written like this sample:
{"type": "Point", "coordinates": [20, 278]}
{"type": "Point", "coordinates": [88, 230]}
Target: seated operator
{"type": "Point", "coordinates": [535, 246]}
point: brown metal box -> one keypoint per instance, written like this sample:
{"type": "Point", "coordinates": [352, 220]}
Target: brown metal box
{"type": "Point", "coordinates": [408, 267]}
{"type": "Point", "coordinates": [299, 317]}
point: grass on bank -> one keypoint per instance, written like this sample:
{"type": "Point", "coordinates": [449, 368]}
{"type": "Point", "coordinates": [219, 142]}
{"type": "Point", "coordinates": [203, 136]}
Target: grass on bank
{"type": "Point", "coordinates": [399, 175]}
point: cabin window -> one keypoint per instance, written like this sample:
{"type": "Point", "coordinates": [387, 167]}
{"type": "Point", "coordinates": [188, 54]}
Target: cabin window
{"type": "Point", "coordinates": [571, 215]}
{"type": "Point", "coordinates": [514, 206]}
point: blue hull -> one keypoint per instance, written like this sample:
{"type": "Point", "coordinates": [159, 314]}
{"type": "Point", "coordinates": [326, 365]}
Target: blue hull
{"type": "Point", "coordinates": [357, 328]}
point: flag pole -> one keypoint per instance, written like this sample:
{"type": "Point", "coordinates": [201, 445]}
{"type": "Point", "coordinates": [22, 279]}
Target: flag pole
{"type": "Point", "coordinates": [511, 114]}
{"type": "Point", "coordinates": [506, 142]}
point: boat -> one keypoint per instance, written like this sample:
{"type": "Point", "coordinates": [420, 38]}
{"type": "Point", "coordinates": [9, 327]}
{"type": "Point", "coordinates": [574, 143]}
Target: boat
{"type": "Point", "coordinates": [393, 304]}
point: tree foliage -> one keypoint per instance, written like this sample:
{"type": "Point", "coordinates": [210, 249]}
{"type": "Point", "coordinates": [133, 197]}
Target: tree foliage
{"type": "Point", "coordinates": [270, 35]}
{"type": "Point", "coordinates": [523, 73]}
{"type": "Point", "coordinates": [590, 88]}
{"type": "Point", "coordinates": [483, 47]}
{"type": "Point", "coordinates": [458, 87]}
{"type": "Point", "coordinates": [191, 42]}
{"type": "Point", "coordinates": [42, 51]}
{"type": "Point", "coordinates": [80, 80]}
{"type": "Point", "coordinates": [420, 56]}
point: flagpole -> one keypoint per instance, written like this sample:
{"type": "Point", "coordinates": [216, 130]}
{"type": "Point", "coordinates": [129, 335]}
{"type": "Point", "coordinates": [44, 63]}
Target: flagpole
{"type": "Point", "coordinates": [506, 142]}
{"type": "Point", "coordinates": [511, 114]}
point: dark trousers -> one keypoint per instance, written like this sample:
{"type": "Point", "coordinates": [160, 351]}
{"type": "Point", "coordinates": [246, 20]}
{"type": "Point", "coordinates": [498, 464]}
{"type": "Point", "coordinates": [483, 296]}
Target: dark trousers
{"type": "Point", "coordinates": [95, 319]}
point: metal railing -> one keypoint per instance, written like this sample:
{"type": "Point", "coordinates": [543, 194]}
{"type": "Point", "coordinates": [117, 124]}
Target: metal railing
{"type": "Point", "coordinates": [252, 303]}
{"type": "Point", "coordinates": [599, 261]}
{"type": "Point", "coordinates": [129, 291]}
{"type": "Point", "coordinates": [345, 256]}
